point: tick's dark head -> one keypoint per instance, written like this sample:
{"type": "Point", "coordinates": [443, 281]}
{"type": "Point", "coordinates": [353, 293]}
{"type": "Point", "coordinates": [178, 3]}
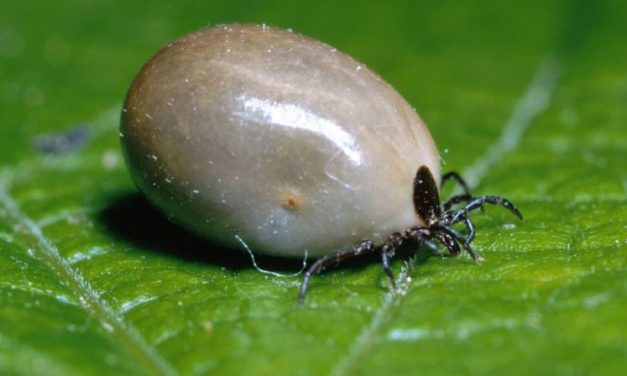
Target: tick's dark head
{"type": "Point", "coordinates": [426, 197]}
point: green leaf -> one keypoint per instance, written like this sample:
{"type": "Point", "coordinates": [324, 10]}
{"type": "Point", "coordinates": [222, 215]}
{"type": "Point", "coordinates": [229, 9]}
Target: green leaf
{"type": "Point", "coordinates": [528, 100]}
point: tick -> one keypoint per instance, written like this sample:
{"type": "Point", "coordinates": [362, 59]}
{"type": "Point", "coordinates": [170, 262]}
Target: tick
{"type": "Point", "coordinates": [243, 132]}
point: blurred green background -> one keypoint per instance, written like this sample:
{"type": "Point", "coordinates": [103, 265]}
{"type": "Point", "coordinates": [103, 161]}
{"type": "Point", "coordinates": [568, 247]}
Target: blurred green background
{"type": "Point", "coordinates": [528, 99]}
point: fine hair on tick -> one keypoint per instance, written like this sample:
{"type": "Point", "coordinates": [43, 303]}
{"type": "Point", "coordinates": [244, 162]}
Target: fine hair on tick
{"type": "Point", "coordinates": [269, 272]}
{"type": "Point", "coordinates": [436, 220]}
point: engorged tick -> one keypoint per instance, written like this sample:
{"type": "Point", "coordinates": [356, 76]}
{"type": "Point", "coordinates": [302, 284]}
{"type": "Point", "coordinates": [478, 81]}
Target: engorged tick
{"type": "Point", "coordinates": [253, 134]}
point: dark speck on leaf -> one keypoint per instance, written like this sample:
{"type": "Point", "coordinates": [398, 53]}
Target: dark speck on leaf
{"type": "Point", "coordinates": [63, 142]}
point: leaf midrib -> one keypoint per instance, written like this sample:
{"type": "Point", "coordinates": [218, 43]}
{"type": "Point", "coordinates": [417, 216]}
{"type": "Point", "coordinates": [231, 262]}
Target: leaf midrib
{"type": "Point", "coordinates": [44, 250]}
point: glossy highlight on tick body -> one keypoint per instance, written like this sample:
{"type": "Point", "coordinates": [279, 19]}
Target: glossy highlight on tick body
{"type": "Point", "coordinates": [261, 134]}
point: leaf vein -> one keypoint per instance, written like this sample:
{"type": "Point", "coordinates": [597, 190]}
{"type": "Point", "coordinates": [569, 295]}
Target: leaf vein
{"type": "Point", "coordinates": [44, 250]}
{"type": "Point", "coordinates": [533, 102]}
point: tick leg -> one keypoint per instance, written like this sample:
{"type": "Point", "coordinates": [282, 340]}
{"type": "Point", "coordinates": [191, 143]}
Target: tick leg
{"type": "Point", "coordinates": [475, 256]}
{"type": "Point", "coordinates": [455, 176]}
{"type": "Point", "coordinates": [456, 200]}
{"type": "Point", "coordinates": [465, 240]}
{"type": "Point", "coordinates": [465, 197]}
{"type": "Point", "coordinates": [448, 241]}
{"type": "Point", "coordinates": [332, 259]}
{"type": "Point", "coordinates": [471, 230]}
{"type": "Point", "coordinates": [477, 202]}
{"type": "Point", "coordinates": [387, 252]}
{"type": "Point", "coordinates": [423, 237]}
{"type": "Point", "coordinates": [432, 247]}
{"type": "Point", "coordinates": [455, 234]}
{"type": "Point", "coordinates": [385, 260]}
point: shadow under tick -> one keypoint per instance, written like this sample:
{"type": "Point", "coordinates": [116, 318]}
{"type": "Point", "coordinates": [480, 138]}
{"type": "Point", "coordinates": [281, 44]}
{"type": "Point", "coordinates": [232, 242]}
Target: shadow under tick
{"type": "Point", "coordinates": [132, 219]}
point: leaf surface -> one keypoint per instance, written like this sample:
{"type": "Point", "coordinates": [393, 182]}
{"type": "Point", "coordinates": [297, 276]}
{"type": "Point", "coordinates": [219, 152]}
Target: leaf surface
{"type": "Point", "coordinates": [526, 100]}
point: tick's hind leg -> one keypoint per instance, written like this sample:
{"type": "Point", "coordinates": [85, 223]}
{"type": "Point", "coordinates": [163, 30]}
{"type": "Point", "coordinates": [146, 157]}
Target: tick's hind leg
{"type": "Point", "coordinates": [452, 175]}
{"type": "Point", "coordinates": [332, 259]}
